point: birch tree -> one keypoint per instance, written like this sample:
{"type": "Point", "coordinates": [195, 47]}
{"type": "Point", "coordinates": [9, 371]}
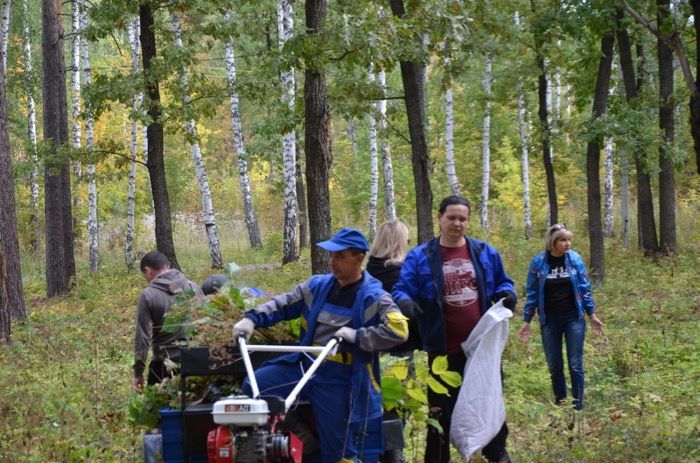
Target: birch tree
{"type": "Point", "coordinates": [285, 28]}
{"type": "Point", "coordinates": [608, 213]}
{"type": "Point", "coordinates": [486, 143]}
{"type": "Point", "coordinates": [524, 150]}
{"type": "Point", "coordinates": [373, 167]}
{"type": "Point", "coordinates": [93, 226]}
{"type": "Point", "coordinates": [5, 36]}
{"type": "Point", "coordinates": [237, 127]}
{"type": "Point", "coordinates": [199, 168]}
{"type": "Point", "coordinates": [31, 129]}
{"type": "Point", "coordinates": [131, 198]}
{"type": "Point", "coordinates": [449, 143]}
{"type": "Point", "coordinates": [387, 165]}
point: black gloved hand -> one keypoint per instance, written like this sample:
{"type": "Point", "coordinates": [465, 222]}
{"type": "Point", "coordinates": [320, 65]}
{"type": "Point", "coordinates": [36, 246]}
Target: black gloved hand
{"type": "Point", "coordinates": [409, 308]}
{"type": "Point", "coordinates": [509, 299]}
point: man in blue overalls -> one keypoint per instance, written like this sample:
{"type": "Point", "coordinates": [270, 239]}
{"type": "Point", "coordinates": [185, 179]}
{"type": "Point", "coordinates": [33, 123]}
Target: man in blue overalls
{"type": "Point", "coordinates": [345, 393]}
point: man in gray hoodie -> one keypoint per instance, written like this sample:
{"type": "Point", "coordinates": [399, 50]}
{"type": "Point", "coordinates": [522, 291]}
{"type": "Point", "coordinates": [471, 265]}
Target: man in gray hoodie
{"type": "Point", "coordinates": [164, 285]}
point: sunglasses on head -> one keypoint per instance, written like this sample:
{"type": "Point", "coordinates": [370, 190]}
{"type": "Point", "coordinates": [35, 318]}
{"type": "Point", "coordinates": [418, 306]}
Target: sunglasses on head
{"type": "Point", "coordinates": [558, 226]}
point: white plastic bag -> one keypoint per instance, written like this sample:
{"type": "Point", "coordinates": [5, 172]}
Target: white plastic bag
{"type": "Point", "coordinates": [480, 409]}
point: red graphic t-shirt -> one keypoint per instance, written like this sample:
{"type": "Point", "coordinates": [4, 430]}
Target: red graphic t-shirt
{"type": "Point", "coordinates": [462, 310]}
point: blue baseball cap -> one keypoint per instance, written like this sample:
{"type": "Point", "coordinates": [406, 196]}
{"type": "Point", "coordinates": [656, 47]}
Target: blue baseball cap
{"type": "Point", "coordinates": [346, 238]}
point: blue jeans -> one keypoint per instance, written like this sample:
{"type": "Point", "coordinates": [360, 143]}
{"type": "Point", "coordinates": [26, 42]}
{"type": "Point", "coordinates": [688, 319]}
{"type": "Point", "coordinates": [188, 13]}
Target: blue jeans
{"type": "Point", "coordinates": [572, 329]}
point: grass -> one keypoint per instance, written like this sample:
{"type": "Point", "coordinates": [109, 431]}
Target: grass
{"type": "Point", "coordinates": [67, 373]}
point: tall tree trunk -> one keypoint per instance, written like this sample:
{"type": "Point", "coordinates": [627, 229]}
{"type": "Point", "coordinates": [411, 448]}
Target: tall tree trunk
{"type": "Point", "coordinates": [133, 148]}
{"type": "Point", "coordinates": [5, 36]}
{"type": "Point", "coordinates": [645, 204]}
{"type": "Point", "coordinates": [411, 75]}
{"type": "Point", "coordinates": [155, 162]}
{"type": "Point", "coordinates": [93, 225]}
{"type": "Point", "coordinates": [5, 316]}
{"type": "Point", "coordinates": [199, 168]}
{"type": "Point", "coordinates": [60, 260]}
{"type": "Point", "coordinates": [387, 165]}
{"type": "Point", "coordinates": [317, 145]}
{"type": "Point", "coordinates": [545, 130]}
{"type": "Point", "coordinates": [75, 129]}
{"type": "Point", "coordinates": [11, 295]}
{"type": "Point", "coordinates": [695, 96]}
{"type": "Point", "coordinates": [237, 127]}
{"type": "Point", "coordinates": [35, 229]}
{"type": "Point", "coordinates": [292, 198]}
{"type": "Point", "coordinates": [524, 149]}
{"type": "Point", "coordinates": [486, 145]}
{"type": "Point", "coordinates": [449, 144]}
{"type": "Point", "coordinates": [373, 168]}
{"type": "Point", "coordinates": [667, 186]}
{"type": "Point", "coordinates": [608, 213]}
{"type": "Point", "coordinates": [301, 206]}
{"type": "Point", "coordinates": [624, 197]}
{"type": "Point", "coordinates": [600, 100]}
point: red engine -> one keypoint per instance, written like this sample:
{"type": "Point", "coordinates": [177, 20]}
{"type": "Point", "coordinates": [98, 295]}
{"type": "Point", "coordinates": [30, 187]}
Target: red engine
{"type": "Point", "coordinates": [253, 446]}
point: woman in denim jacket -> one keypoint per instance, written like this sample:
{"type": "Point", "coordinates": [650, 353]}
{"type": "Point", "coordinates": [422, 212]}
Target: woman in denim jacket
{"type": "Point", "coordinates": [559, 290]}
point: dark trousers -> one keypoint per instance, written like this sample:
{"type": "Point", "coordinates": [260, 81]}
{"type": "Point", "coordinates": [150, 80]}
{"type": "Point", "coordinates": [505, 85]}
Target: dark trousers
{"type": "Point", "coordinates": [156, 372]}
{"type": "Point", "coordinates": [441, 406]}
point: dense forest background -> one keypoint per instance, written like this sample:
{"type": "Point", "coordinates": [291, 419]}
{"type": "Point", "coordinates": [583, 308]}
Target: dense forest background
{"type": "Point", "coordinates": [246, 130]}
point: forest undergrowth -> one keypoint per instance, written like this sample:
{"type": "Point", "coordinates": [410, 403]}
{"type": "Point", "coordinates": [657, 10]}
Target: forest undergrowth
{"type": "Point", "coordinates": [66, 376]}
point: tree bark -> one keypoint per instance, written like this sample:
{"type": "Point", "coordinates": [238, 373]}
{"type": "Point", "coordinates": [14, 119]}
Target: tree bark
{"type": "Point", "coordinates": [546, 134]}
{"type": "Point", "coordinates": [449, 144]}
{"type": "Point", "coordinates": [292, 198]}
{"type": "Point", "coordinates": [695, 96]}
{"type": "Point", "coordinates": [486, 145]}
{"type": "Point", "coordinates": [373, 168]}
{"type": "Point", "coordinates": [608, 185]}
{"type": "Point", "coordinates": [411, 75]}
{"type": "Point", "coordinates": [667, 187]}
{"type": "Point", "coordinates": [35, 228]}
{"type": "Point", "coordinates": [135, 103]}
{"type": "Point", "coordinates": [595, 226]}
{"type": "Point", "coordinates": [317, 145]}
{"type": "Point", "coordinates": [645, 204]}
{"type": "Point", "coordinates": [387, 165]}
{"type": "Point", "coordinates": [5, 36]}
{"type": "Point", "coordinates": [155, 162]}
{"type": "Point", "coordinates": [93, 224]}
{"type": "Point", "coordinates": [60, 260]}
{"type": "Point", "coordinates": [11, 294]}
{"type": "Point", "coordinates": [302, 214]}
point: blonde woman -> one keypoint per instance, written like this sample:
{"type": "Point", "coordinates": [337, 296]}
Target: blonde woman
{"type": "Point", "coordinates": [559, 290]}
{"type": "Point", "coordinates": [387, 253]}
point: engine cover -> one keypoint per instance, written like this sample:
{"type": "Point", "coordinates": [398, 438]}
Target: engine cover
{"type": "Point", "coordinates": [240, 411]}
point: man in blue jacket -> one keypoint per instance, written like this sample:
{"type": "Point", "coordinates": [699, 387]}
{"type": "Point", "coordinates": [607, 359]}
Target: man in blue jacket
{"type": "Point", "coordinates": [345, 393]}
{"type": "Point", "coordinates": [447, 284]}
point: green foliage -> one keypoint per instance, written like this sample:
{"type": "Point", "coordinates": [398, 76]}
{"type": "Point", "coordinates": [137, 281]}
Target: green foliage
{"type": "Point", "coordinates": [144, 408]}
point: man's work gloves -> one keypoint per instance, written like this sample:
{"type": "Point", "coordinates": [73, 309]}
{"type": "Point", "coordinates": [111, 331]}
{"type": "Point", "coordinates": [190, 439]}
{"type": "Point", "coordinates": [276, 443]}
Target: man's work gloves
{"type": "Point", "coordinates": [244, 327]}
{"type": "Point", "coordinates": [509, 299]}
{"type": "Point", "coordinates": [348, 334]}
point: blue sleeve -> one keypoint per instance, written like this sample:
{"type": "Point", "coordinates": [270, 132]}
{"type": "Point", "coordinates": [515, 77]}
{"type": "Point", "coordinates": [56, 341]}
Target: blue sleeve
{"type": "Point", "coordinates": [532, 290]}
{"type": "Point", "coordinates": [501, 281]}
{"type": "Point", "coordinates": [407, 285]}
{"type": "Point", "coordinates": [584, 286]}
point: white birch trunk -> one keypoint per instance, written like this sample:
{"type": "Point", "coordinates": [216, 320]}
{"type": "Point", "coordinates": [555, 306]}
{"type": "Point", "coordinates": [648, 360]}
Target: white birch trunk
{"type": "Point", "coordinates": [31, 128]}
{"type": "Point", "coordinates": [624, 197]}
{"type": "Point", "coordinates": [5, 36]}
{"type": "Point", "coordinates": [387, 166]}
{"type": "Point", "coordinates": [285, 26]}
{"type": "Point", "coordinates": [486, 145]}
{"type": "Point", "coordinates": [449, 144]}
{"type": "Point", "coordinates": [199, 168]}
{"type": "Point", "coordinates": [133, 148]}
{"type": "Point", "coordinates": [373, 167]}
{"type": "Point", "coordinates": [608, 216]}
{"type": "Point", "coordinates": [93, 225]}
{"type": "Point", "coordinates": [550, 107]}
{"type": "Point", "coordinates": [237, 127]}
{"type": "Point", "coordinates": [524, 151]}
{"type": "Point", "coordinates": [75, 129]}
